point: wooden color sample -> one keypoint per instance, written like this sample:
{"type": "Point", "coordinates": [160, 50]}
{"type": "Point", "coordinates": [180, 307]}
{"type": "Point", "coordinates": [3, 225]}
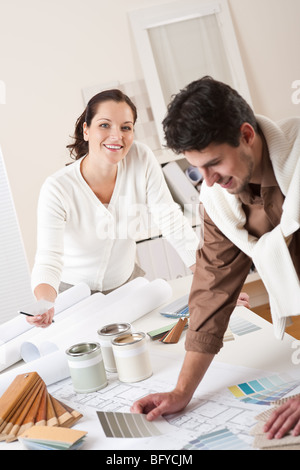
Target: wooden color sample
{"type": "Point", "coordinates": [16, 421]}
{"type": "Point", "coordinates": [26, 403]}
{"type": "Point", "coordinates": [30, 417]}
{"type": "Point", "coordinates": [67, 417]}
{"type": "Point", "coordinates": [175, 333]}
{"type": "Point", "coordinates": [51, 415]}
{"type": "Point", "coordinates": [41, 418]}
{"type": "Point", "coordinates": [16, 393]}
{"type": "Point", "coordinates": [63, 415]}
{"type": "Point", "coordinates": [75, 414]}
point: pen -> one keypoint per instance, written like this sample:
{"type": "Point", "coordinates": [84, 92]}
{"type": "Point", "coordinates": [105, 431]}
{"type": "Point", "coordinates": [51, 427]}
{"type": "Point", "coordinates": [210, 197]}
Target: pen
{"type": "Point", "coordinates": [30, 315]}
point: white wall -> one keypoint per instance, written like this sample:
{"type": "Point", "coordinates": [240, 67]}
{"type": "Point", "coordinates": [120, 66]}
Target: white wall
{"type": "Point", "coordinates": [51, 49]}
{"type": "Point", "coordinates": [268, 33]}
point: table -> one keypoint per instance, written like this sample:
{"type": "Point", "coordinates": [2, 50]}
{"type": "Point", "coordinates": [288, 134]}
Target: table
{"type": "Point", "coordinates": [248, 355]}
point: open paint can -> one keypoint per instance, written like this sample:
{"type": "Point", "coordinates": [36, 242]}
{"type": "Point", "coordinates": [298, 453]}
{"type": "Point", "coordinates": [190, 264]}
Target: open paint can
{"type": "Point", "coordinates": [132, 357]}
{"type": "Point", "coordinates": [86, 367]}
{"type": "Point", "coordinates": [106, 335]}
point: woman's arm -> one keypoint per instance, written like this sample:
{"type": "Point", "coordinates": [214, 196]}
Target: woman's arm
{"type": "Point", "coordinates": [51, 216]}
{"type": "Point", "coordinates": [45, 276]}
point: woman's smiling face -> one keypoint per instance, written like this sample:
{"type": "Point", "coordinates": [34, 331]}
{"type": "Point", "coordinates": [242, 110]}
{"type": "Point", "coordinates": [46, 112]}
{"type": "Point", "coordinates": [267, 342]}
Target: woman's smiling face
{"type": "Point", "coordinates": [111, 132]}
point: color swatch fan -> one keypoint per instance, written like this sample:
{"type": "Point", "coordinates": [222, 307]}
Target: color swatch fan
{"type": "Point", "coordinates": [27, 403]}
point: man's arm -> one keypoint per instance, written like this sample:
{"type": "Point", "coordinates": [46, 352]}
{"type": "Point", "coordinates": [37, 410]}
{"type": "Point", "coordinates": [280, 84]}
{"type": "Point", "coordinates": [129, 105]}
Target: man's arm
{"type": "Point", "coordinates": [193, 370]}
{"type": "Point", "coordinates": [220, 272]}
{"type": "Point", "coordinates": [221, 268]}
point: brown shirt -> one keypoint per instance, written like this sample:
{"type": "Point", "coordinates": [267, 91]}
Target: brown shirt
{"type": "Point", "coordinates": [222, 268]}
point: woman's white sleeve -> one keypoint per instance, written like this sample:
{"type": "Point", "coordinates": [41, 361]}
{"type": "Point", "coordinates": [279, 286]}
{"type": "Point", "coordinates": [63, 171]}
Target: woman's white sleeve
{"type": "Point", "coordinates": [51, 217]}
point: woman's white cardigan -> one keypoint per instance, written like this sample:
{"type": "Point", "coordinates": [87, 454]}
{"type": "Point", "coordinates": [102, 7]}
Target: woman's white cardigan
{"type": "Point", "coordinates": [82, 240]}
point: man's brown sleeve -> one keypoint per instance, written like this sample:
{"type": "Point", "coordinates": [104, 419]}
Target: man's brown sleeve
{"type": "Point", "coordinates": [221, 269]}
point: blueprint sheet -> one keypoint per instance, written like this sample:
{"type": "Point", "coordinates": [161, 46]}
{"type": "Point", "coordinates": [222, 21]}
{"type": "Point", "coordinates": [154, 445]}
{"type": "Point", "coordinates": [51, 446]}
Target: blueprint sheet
{"type": "Point", "coordinates": [213, 407]}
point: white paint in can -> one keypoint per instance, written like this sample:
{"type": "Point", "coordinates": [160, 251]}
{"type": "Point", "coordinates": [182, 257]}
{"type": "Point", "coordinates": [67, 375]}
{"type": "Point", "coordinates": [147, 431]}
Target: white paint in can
{"type": "Point", "coordinates": [132, 357]}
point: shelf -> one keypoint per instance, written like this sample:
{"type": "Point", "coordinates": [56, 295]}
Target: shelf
{"type": "Point", "coordinates": [256, 290]}
{"type": "Point", "coordinates": [253, 277]}
{"type": "Point", "coordinates": [166, 155]}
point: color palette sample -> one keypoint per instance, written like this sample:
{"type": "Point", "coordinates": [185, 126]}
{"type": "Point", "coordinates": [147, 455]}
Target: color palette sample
{"type": "Point", "coordinates": [222, 439]}
{"type": "Point", "coordinates": [128, 425]}
{"type": "Point", "coordinates": [264, 391]}
{"type": "Point", "coordinates": [240, 327]}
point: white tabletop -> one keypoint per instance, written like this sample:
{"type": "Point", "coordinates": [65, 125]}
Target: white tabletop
{"type": "Point", "coordinates": [258, 352]}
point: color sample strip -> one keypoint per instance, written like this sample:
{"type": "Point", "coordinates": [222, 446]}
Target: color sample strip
{"type": "Point", "coordinates": [240, 327]}
{"type": "Point", "coordinates": [159, 332]}
{"type": "Point", "coordinates": [127, 425]}
{"type": "Point", "coordinates": [217, 440]}
{"type": "Point", "coordinates": [263, 391]}
{"type": "Point", "coordinates": [257, 387]}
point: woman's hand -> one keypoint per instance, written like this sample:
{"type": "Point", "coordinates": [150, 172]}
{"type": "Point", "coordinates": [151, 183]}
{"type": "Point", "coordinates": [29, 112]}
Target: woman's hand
{"type": "Point", "coordinates": [243, 300]}
{"type": "Point", "coordinates": [43, 292]}
{"type": "Point", "coordinates": [43, 320]}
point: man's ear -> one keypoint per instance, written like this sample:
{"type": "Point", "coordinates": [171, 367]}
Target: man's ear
{"type": "Point", "coordinates": [247, 133]}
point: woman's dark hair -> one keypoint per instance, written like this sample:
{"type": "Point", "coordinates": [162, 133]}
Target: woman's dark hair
{"type": "Point", "coordinates": [206, 111]}
{"type": "Point", "coordinates": [79, 147]}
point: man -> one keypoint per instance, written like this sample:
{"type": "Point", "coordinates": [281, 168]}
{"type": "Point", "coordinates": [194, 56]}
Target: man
{"type": "Point", "coordinates": [251, 171]}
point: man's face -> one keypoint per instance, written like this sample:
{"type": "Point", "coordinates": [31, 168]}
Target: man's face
{"type": "Point", "coordinates": [230, 167]}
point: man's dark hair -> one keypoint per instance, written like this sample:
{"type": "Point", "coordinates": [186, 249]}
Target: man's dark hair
{"type": "Point", "coordinates": [206, 111]}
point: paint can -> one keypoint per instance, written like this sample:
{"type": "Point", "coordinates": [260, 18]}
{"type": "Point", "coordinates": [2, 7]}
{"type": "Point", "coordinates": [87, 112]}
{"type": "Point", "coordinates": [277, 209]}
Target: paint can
{"type": "Point", "coordinates": [86, 367]}
{"type": "Point", "coordinates": [106, 335]}
{"type": "Point", "coordinates": [132, 357]}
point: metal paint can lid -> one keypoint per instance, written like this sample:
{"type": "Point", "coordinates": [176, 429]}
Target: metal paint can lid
{"type": "Point", "coordinates": [127, 339]}
{"type": "Point", "coordinates": [114, 329]}
{"type": "Point", "coordinates": [82, 349]}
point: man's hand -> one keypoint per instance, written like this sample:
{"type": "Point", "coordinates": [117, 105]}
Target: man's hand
{"type": "Point", "coordinates": [284, 419]}
{"type": "Point", "coordinates": [158, 404]}
{"type": "Point", "coordinates": [193, 369]}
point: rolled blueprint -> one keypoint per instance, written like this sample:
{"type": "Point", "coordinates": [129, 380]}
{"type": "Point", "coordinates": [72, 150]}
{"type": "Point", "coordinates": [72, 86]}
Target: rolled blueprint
{"type": "Point", "coordinates": [18, 325]}
{"type": "Point", "coordinates": [131, 306]}
{"type": "Point", "coordinates": [75, 302]}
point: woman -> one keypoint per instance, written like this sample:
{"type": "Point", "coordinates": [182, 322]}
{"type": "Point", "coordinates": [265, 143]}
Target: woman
{"type": "Point", "coordinates": [90, 213]}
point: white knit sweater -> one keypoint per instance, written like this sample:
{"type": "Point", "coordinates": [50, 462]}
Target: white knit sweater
{"type": "Point", "coordinates": [82, 240]}
{"type": "Point", "coordinates": [270, 252]}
